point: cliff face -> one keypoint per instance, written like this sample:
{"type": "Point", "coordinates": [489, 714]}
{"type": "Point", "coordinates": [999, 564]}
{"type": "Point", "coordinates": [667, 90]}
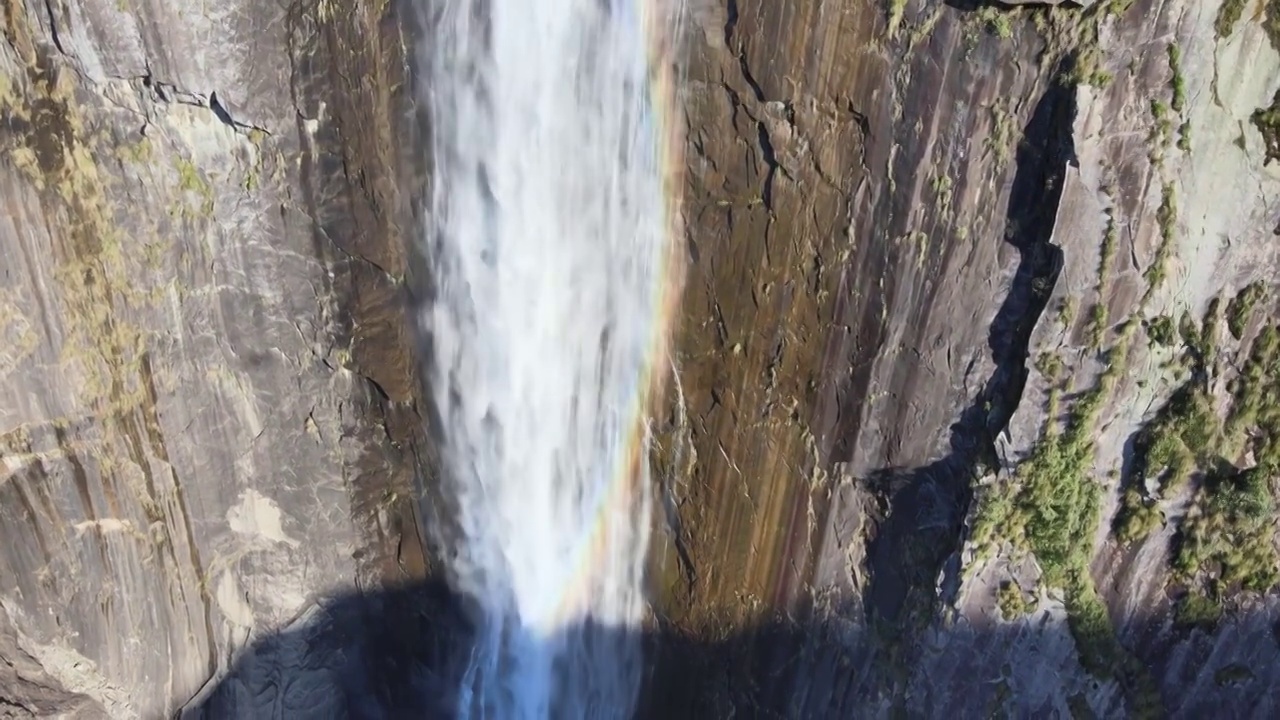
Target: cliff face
{"type": "Point", "coordinates": [960, 401]}
{"type": "Point", "coordinates": [974, 375]}
{"type": "Point", "coordinates": [206, 393]}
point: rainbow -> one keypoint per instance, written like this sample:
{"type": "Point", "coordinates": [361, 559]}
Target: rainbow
{"type": "Point", "coordinates": [660, 24]}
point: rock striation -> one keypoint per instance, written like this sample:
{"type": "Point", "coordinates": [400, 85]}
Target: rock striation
{"type": "Point", "coordinates": [208, 413]}
{"type": "Point", "coordinates": [954, 269]}
{"type": "Point", "coordinates": [973, 404]}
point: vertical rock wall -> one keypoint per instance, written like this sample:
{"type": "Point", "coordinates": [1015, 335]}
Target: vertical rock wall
{"type": "Point", "coordinates": [948, 265]}
{"type": "Point", "coordinates": [905, 430]}
{"type": "Point", "coordinates": [207, 400]}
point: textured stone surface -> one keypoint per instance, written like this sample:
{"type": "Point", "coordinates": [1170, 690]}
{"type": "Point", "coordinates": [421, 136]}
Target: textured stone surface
{"type": "Point", "coordinates": [843, 325]}
{"type": "Point", "coordinates": [879, 269]}
{"type": "Point", "coordinates": [208, 414]}
{"type": "Point", "coordinates": [206, 398]}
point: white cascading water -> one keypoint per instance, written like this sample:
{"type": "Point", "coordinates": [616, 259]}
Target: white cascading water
{"type": "Point", "coordinates": [548, 243]}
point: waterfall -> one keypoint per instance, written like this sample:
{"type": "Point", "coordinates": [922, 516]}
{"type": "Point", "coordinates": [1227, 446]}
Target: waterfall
{"type": "Point", "coordinates": [548, 238]}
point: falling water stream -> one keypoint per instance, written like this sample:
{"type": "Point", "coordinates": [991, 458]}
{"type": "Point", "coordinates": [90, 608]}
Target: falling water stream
{"type": "Point", "coordinates": [548, 238]}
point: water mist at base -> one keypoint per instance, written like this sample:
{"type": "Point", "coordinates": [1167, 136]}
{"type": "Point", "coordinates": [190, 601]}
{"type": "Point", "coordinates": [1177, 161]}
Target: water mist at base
{"type": "Point", "coordinates": [548, 243]}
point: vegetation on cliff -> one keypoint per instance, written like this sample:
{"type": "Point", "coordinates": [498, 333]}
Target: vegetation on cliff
{"type": "Point", "coordinates": [1012, 603]}
{"type": "Point", "coordinates": [1098, 315]}
{"type": "Point", "coordinates": [1267, 120]}
{"type": "Point", "coordinates": [1225, 542]}
{"type": "Point", "coordinates": [1051, 507]}
{"type": "Point", "coordinates": [1228, 15]}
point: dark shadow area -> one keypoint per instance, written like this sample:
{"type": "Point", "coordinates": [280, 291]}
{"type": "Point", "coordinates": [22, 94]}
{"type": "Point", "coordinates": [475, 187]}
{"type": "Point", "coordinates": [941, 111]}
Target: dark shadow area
{"type": "Point", "coordinates": [974, 5]}
{"type": "Point", "coordinates": [391, 653]}
{"type": "Point", "coordinates": [402, 654]}
{"type": "Point", "coordinates": [927, 505]}
{"type": "Point", "coordinates": [1012, 8]}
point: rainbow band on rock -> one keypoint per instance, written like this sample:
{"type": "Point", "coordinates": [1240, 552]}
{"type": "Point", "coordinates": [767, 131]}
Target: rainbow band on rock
{"type": "Point", "coordinates": [659, 20]}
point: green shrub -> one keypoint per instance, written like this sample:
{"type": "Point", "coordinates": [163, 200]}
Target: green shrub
{"type": "Point", "coordinates": [1197, 611]}
{"type": "Point", "coordinates": [1049, 365]}
{"type": "Point", "coordinates": [1011, 601]}
{"type": "Point", "coordinates": [1138, 517]}
{"type": "Point", "coordinates": [1179, 82]}
{"type": "Point", "coordinates": [1230, 529]}
{"type": "Point", "coordinates": [1097, 325]}
{"type": "Point", "coordinates": [1167, 216]}
{"type": "Point", "coordinates": [1228, 15]}
{"type": "Point", "coordinates": [1051, 506]}
{"type": "Point", "coordinates": [1241, 306]}
{"type": "Point", "coordinates": [996, 21]}
{"type": "Point", "coordinates": [1267, 120]}
{"type": "Point", "coordinates": [1100, 652]}
{"type": "Point", "coordinates": [1161, 331]}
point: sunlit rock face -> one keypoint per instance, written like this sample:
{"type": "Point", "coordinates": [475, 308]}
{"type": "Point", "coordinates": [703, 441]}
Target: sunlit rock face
{"type": "Point", "coordinates": [941, 261]}
{"type": "Point", "coordinates": [207, 401]}
{"type": "Point", "coordinates": [947, 268]}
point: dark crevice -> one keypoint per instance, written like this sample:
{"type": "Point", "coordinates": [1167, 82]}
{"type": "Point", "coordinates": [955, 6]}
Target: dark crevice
{"type": "Point", "coordinates": [53, 27]}
{"type": "Point", "coordinates": [926, 506]}
{"type": "Point", "coordinates": [771, 160]}
{"type": "Point", "coordinates": [700, 150]}
{"type": "Point", "coordinates": [731, 21]}
{"type": "Point", "coordinates": [751, 80]}
{"type": "Point", "coordinates": [221, 112]}
{"type": "Point", "coordinates": [735, 103]}
{"type": "Point", "coordinates": [722, 330]}
{"type": "Point", "coordinates": [163, 92]}
{"type": "Point", "coordinates": [376, 389]}
{"type": "Point", "coordinates": [675, 528]}
{"type": "Point", "coordinates": [730, 25]}
{"type": "Point", "coordinates": [155, 88]}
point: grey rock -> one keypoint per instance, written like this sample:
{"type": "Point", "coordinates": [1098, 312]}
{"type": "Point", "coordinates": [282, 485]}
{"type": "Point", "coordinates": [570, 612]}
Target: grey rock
{"type": "Point", "coordinates": [209, 420]}
{"type": "Point", "coordinates": [207, 416]}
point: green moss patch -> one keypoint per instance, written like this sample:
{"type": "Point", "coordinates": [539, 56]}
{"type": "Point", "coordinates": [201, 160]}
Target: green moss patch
{"type": "Point", "coordinates": [1196, 611]}
{"type": "Point", "coordinates": [1098, 314]}
{"type": "Point", "coordinates": [1160, 330]}
{"type": "Point", "coordinates": [1167, 217]}
{"type": "Point", "coordinates": [1179, 82]}
{"type": "Point", "coordinates": [1228, 15]}
{"type": "Point", "coordinates": [1267, 120]}
{"type": "Point", "coordinates": [1240, 309]}
{"type": "Point", "coordinates": [1012, 603]}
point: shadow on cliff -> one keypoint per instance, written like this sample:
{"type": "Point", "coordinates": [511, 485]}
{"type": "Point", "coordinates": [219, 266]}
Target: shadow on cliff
{"type": "Point", "coordinates": [921, 529]}
{"type": "Point", "coordinates": [402, 653]}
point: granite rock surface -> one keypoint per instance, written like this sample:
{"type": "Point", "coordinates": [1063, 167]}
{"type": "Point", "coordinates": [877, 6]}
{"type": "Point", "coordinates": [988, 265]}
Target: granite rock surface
{"type": "Point", "coordinates": [969, 413]}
